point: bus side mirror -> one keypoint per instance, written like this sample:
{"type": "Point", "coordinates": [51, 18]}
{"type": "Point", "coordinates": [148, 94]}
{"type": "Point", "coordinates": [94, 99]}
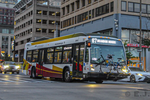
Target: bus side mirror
{"type": "Point", "coordinates": [88, 44]}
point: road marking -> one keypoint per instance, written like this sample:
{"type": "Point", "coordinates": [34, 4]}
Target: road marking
{"type": "Point", "coordinates": [20, 79]}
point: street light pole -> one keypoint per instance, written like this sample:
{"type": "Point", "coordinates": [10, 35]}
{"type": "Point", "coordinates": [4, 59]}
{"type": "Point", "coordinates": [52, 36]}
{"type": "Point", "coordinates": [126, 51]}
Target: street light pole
{"type": "Point", "coordinates": [140, 53]}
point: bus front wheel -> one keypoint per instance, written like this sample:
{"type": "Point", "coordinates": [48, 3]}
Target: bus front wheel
{"type": "Point", "coordinates": [67, 75]}
{"type": "Point", "coordinates": [99, 81]}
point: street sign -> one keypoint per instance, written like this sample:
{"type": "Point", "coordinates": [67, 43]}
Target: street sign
{"type": "Point", "coordinates": [139, 50]}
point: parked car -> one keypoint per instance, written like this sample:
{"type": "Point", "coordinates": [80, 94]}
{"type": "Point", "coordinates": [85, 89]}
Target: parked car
{"type": "Point", "coordinates": [9, 66]}
{"type": "Point", "coordinates": [137, 74]}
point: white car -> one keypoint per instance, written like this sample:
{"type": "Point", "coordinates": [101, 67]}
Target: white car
{"type": "Point", "coordinates": [137, 74]}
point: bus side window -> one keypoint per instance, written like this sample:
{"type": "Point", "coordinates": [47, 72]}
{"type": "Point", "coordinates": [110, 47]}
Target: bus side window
{"type": "Point", "coordinates": [87, 55]}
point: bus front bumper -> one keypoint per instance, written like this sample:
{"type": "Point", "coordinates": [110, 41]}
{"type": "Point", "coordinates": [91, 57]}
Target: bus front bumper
{"type": "Point", "coordinates": [106, 76]}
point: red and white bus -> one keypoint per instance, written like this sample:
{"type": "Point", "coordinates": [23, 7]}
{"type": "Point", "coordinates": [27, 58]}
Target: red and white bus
{"type": "Point", "coordinates": [79, 56]}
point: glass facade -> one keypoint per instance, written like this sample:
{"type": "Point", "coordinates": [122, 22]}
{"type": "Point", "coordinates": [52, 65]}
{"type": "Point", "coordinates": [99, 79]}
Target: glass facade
{"type": "Point", "coordinates": [6, 16]}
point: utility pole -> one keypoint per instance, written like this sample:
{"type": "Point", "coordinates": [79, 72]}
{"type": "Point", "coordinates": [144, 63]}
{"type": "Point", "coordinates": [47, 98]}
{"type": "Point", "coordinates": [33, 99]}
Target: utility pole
{"type": "Point", "coordinates": [140, 51]}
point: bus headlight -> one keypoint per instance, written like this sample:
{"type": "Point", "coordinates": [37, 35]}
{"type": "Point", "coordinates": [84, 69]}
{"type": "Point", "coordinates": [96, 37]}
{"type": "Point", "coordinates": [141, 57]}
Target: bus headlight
{"type": "Point", "coordinates": [17, 67]}
{"type": "Point", "coordinates": [6, 66]}
{"type": "Point", "coordinates": [92, 69]}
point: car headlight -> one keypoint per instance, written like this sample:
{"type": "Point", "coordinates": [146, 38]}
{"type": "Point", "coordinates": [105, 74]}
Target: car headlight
{"type": "Point", "coordinates": [139, 74]}
{"type": "Point", "coordinates": [6, 66]}
{"type": "Point", "coordinates": [17, 67]}
{"type": "Point", "coordinates": [125, 70]}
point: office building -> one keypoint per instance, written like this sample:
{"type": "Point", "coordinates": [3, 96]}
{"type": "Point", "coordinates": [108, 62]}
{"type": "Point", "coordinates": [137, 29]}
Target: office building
{"type": "Point", "coordinates": [34, 19]}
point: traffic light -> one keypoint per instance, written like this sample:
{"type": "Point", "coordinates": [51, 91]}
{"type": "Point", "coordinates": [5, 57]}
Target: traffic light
{"type": "Point", "coordinates": [116, 24]}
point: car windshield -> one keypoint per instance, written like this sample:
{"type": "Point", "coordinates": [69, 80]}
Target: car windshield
{"type": "Point", "coordinates": [115, 53]}
{"type": "Point", "coordinates": [9, 63]}
{"type": "Point", "coordinates": [136, 69]}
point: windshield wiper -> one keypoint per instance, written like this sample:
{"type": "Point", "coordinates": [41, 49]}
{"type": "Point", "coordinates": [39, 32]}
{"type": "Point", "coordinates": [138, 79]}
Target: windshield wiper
{"type": "Point", "coordinates": [100, 58]}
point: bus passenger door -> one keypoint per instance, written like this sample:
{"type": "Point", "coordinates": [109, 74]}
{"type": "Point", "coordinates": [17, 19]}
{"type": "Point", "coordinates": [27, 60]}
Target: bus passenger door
{"type": "Point", "coordinates": [41, 61]}
{"type": "Point", "coordinates": [78, 55]}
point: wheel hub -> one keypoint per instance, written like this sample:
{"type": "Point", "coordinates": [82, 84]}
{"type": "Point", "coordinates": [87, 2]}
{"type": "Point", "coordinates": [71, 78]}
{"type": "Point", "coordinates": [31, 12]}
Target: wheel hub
{"type": "Point", "coordinates": [67, 75]}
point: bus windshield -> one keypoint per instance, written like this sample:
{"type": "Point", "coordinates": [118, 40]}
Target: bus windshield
{"type": "Point", "coordinates": [99, 51]}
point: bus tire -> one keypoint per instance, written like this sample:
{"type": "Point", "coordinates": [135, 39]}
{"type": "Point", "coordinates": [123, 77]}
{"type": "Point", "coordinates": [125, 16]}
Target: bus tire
{"type": "Point", "coordinates": [99, 81]}
{"type": "Point", "coordinates": [18, 72]}
{"type": "Point", "coordinates": [66, 75]}
{"type": "Point", "coordinates": [33, 73]}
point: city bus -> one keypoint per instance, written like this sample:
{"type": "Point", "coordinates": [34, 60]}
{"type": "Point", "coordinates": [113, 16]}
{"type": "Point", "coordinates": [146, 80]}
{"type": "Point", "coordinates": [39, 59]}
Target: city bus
{"type": "Point", "coordinates": [80, 56]}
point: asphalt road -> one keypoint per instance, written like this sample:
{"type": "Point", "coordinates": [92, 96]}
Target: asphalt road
{"type": "Point", "coordinates": [21, 87]}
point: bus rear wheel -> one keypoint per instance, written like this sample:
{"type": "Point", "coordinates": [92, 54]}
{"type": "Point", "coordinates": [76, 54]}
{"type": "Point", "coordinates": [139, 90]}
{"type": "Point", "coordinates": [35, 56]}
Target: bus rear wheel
{"type": "Point", "coordinates": [33, 73]}
{"type": "Point", "coordinates": [67, 75]}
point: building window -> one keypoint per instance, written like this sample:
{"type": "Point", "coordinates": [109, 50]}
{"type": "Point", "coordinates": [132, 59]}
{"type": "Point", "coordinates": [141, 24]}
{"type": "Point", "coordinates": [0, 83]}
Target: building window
{"type": "Point", "coordinates": [123, 6]}
{"type": "Point", "coordinates": [83, 17]}
{"type": "Point", "coordinates": [136, 7]}
{"type": "Point", "coordinates": [107, 8]}
{"type": "Point", "coordinates": [89, 1]}
{"type": "Point", "coordinates": [111, 6]}
{"type": "Point", "coordinates": [130, 7]}
{"type": "Point", "coordinates": [83, 3]}
{"type": "Point", "coordinates": [44, 30]}
{"type": "Point", "coordinates": [143, 8]}
{"type": "Point", "coordinates": [68, 9]}
{"type": "Point", "coordinates": [22, 42]}
{"type": "Point", "coordinates": [72, 5]}
{"type": "Point", "coordinates": [125, 35]}
{"type": "Point", "coordinates": [38, 12]}
{"type": "Point", "coordinates": [72, 20]}
{"type": "Point", "coordinates": [44, 21]}
{"type": "Point", "coordinates": [93, 13]}
{"type": "Point", "coordinates": [90, 14]}
{"type": "Point", "coordinates": [44, 12]}
{"type": "Point", "coordinates": [78, 4]}
{"type": "Point", "coordinates": [148, 9]}
{"type": "Point", "coordinates": [38, 20]}
{"type": "Point", "coordinates": [12, 31]}
{"type": "Point", "coordinates": [5, 31]}
{"type": "Point", "coordinates": [38, 29]}
{"type": "Point", "coordinates": [63, 10]}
